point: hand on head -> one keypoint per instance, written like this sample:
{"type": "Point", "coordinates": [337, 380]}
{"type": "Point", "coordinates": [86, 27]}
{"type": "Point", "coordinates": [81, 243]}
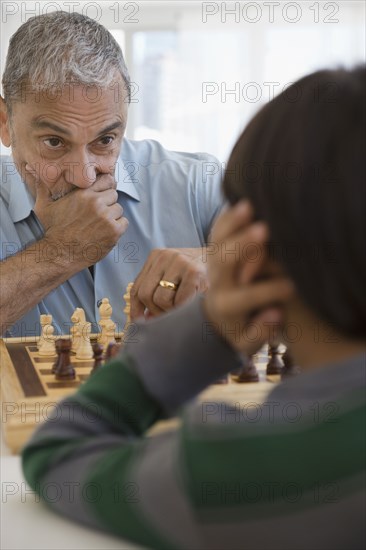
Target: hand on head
{"type": "Point", "coordinates": [244, 302]}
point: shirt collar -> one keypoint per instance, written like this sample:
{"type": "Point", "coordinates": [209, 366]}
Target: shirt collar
{"type": "Point", "coordinates": [124, 175]}
{"type": "Point", "coordinates": [21, 202]}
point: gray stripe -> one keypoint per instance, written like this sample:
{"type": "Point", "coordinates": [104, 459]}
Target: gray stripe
{"type": "Point", "coordinates": [64, 486]}
{"type": "Point", "coordinates": [176, 365]}
{"type": "Point", "coordinates": [332, 526]}
{"type": "Point", "coordinates": [164, 503]}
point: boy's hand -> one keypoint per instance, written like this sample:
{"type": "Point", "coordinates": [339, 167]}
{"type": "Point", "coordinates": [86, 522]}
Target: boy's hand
{"type": "Point", "coordinates": [243, 308]}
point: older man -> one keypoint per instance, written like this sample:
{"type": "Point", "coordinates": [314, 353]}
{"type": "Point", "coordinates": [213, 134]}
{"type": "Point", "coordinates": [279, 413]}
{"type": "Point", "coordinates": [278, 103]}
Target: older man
{"type": "Point", "coordinates": [77, 195]}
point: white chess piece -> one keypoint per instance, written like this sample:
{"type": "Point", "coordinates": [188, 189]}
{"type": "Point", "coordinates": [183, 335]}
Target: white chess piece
{"type": "Point", "coordinates": [48, 347]}
{"type": "Point", "coordinates": [77, 318]}
{"type": "Point", "coordinates": [44, 321]}
{"type": "Point", "coordinates": [107, 326]}
{"type": "Point", "coordinates": [85, 350]}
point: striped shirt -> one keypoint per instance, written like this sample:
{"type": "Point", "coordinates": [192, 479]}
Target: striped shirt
{"type": "Point", "coordinates": [288, 474]}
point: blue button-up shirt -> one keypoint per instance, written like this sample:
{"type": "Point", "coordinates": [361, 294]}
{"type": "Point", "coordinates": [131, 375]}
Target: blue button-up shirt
{"type": "Point", "coordinates": [170, 200]}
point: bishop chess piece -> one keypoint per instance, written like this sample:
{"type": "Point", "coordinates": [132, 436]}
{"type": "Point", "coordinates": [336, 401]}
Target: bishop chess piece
{"type": "Point", "coordinates": [248, 372]}
{"type": "Point", "coordinates": [64, 369]}
{"type": "Point", "coordinates": [289, 367]}
{"type": "Point", "coordinates": [275, 363]}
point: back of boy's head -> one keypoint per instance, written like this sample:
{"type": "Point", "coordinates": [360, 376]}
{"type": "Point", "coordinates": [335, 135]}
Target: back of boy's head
{"type": "Point", "coordinates": [301, 163]}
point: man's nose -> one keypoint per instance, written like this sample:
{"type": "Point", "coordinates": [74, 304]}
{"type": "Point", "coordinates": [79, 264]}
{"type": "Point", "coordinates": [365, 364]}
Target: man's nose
{"type": "Point", "coordinates": [81, 171]}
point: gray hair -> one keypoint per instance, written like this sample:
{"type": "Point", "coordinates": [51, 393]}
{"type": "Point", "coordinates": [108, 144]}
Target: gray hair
{"type": "Point", "coordinates": [59, 48]}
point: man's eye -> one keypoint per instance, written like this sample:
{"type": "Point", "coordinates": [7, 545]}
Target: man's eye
{"type": "Point", "coordinates": [53, 142]}
{"type": "Point", "coordinates": [106, 140]}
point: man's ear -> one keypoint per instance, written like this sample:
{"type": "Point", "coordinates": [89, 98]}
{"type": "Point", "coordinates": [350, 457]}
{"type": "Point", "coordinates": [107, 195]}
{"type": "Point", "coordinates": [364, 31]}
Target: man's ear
{"type": "Point", "coordinates": [4, 124]}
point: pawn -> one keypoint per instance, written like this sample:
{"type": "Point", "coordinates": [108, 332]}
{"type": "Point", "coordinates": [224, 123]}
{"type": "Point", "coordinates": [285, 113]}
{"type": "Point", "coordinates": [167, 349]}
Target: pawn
{"type": "Point", "coordinates": [47, 345]}
{"type": "Point", "coordinates": [98, 357]}
{"type": "Point", "coordinates": [44, 321]}
{"type": "Point", "coordinates": [107, 326]}
{"type": "Point", "coordinates": [248, 372]}
{"type": "Point", "coordinates": [112, 351]}
{"type": "Point", "coordinates": [289, 367]}
{"type": "Point", "coordinates": [64, 370]}
{"type": "Point", "coordinates": [275, 363]}
{"type": "Point", "coordinates": [58, 346]}
{"type": "Point", "coordinates": [85, 350]}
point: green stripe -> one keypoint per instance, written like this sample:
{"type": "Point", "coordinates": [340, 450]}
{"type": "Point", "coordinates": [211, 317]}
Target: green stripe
{"type": "Point", "coordinates": [121, 398]}
{"type": "Point", "coordinates": [324, 453]}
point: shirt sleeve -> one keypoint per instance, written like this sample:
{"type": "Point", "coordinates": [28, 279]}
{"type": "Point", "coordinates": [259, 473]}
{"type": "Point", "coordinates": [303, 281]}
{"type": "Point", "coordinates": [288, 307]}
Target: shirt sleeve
{"type": "Point", "coordinates": [220, 480]}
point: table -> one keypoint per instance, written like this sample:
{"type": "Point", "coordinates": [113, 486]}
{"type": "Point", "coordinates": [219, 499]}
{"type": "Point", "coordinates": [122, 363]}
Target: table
{"type": "Point", "coordinates": [27, 524]}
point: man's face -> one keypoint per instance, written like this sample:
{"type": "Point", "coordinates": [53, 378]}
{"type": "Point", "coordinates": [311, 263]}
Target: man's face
{"type": "Point", "coordinates": [69, 139]}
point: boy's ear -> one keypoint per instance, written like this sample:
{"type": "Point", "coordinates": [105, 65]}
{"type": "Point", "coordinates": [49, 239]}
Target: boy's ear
{"type": "Point", "coordinates": [4, 124]}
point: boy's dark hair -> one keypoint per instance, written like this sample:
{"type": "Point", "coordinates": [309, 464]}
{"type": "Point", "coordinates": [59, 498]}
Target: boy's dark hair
{"type": "Point", "coordinates": [301, 163]}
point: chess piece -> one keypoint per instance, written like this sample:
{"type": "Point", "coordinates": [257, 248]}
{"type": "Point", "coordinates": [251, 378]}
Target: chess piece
{"type": "Point", "coordinates": [248, 372]}
{"type": "Point", "coordinates": [112, 350]}
{"type": "Point", "coordinates": [289, 367]}
{"type": "Point", "coordinates": [44, 321]}
{"type": "Point", "coordinates": [98, 357]}
{"type": "Point", "coordinates": [127, 309]}
{"type": "Point", "coordinates": [77, 318]}
{"type": "Point", "coordinates": [107, 326]}
{"type": "Point", "coordinates": [275, 363]}
{"type": "Point", "coordinates": [58, 345]}
{"type": "Point", "coordinates": [47, 346]}
{"type": "Point", "coordinates": [223, 380]}
{"type": "Point", "coordinates": [64, 370]}
{"type": "Point", "coordinates": [85, 350]}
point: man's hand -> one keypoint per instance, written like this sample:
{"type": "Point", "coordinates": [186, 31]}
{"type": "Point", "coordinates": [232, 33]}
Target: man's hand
{"type": "Point", "coordinates": [245, 298]}
{"type": "Point", "coordinates": [182, 266]}
{"type": "Point", "coordinates": [82, 218]}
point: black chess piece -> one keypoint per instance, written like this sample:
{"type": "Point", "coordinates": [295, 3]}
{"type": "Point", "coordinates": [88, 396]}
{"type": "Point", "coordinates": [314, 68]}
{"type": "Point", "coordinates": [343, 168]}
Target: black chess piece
{"type": "Point", "coordinates": [223, 380]}
{"type": "Point", "coordinates": [58, 344]}
{"type": "Point", "coordinates": [248, 372]}
{"type": "Point", "coordinates": [289, 367]}
{"type": "Point", "coordinates": [63, 367]}
{"type": "Point", "coordinates": [98, 357]}
{"type": "Point", "coordinates": [275, 363]}
{"type": "Point", "coordinates": [112, 350]}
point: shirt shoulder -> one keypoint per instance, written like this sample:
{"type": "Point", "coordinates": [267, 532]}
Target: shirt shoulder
{"type": "Point", "coordinates": [8, 173]}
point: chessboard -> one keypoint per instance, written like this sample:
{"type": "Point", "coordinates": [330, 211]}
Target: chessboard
{"type": "Point", "coordinates": [30, 389]}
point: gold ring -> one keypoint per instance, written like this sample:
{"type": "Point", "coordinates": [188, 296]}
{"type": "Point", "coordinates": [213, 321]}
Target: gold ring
{"type": "Point", "coordinates": [168, 284]}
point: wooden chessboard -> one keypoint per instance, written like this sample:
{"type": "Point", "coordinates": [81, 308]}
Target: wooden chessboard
{"type": "Point", "coordinates": [29, 389]}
